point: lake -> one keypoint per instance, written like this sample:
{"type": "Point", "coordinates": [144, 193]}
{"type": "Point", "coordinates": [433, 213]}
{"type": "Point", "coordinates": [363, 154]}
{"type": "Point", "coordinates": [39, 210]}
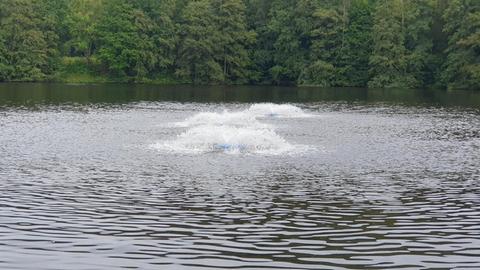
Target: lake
{"type": "Point", "coordinates": [181, 177]}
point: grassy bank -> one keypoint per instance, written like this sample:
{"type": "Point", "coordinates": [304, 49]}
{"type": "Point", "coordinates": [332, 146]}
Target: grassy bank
{"type": "Point", "coordinates": [83, 70]}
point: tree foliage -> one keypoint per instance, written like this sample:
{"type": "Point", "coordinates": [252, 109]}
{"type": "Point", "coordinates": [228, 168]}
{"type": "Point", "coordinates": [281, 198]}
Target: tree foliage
{"type": "Point", "coordinates": [462, 24]}
{"type": "Point", "coordinates": [29, 40]}
{"type": "Point", "coordinates": [339, 43]}
{"type": "Point", "coordinates": [401, 43]}
{"type": "Point", "coordinates": [213, 42]}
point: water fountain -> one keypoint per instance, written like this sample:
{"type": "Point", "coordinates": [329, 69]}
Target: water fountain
{"type": "Point", "coordinates": [234, 132]}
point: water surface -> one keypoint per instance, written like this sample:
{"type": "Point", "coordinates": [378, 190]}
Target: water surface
{"type": "Point", "coordinates": [148, 177]}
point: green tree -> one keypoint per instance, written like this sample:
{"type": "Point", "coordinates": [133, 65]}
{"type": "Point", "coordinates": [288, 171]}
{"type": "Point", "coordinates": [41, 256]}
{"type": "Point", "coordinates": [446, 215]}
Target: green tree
{"type": "Point", "coordinates": [199, 44]}
{"type": "Point", "coordinates": [213, 42]}
{"type": "Point", "coordinates": [462, 24]}
{"type": "Point", "coordinates": [356, 47]}
{"type": "Point", "coordinates": [261, 52]}
{"type": "Point", "coordinates": [29, 41]}
{"type": "Point", "coordinates": [289, 27]}
{"type": "Point", "coordinates": [375, 43]}
{"type": "Point", "coordinates": [131, 43]}
{"type": "Point", "coordinates": [163, 31]}
{"type": "Point", "coordinates": [235, 38]}
{"type": "Point", "coordinates": [327, 40]}
{"type": "Point", "coordinates": [5, 67]}
{"type": "Point", "coordinates": [402, 42]}
{"type": "Point", "coordinates": [81, 21]}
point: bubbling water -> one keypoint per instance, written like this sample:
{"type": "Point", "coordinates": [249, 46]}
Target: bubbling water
{"type": "Point", "coordinates": [234, 132]}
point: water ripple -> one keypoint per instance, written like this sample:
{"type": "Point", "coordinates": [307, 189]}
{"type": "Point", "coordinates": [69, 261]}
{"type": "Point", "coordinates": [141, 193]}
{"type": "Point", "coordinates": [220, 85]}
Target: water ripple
{"type": "Point", "coordinates": [81, 189]}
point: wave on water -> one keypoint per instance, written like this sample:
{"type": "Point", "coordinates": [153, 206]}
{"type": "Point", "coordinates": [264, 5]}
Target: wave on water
{"type": "Point", "coordinates": [234, 132]}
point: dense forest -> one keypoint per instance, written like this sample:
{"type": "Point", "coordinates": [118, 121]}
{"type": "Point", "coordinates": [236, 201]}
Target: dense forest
{"type": "Point", "coordinates": [331, 43]}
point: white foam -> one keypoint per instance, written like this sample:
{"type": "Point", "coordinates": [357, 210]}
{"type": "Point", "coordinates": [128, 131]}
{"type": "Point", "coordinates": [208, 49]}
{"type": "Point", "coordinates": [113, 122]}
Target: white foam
{"type": "Point", "coordinates": [225, 118]}
{"type": "Point", "coordinates": [228, 139]}
{"type": "Point", "coordinates": [276, 110]}
{"type": "Point", "coordinates": [234, 132]}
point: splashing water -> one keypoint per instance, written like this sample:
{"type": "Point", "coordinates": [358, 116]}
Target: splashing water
{"type": "Point", "coordinates": [275, 110]}
{"type": "Point", "coordinates": [209, 138]}
{"type": "Point", "coordinates": [234, 132]}
{"type": "Point", "coordinates": [236, 119]}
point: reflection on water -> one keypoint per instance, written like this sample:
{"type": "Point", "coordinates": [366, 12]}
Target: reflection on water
{"type": "Point", "coordinates": [35, 93]}
{"type": "Point", "coordinates": [390, 186]}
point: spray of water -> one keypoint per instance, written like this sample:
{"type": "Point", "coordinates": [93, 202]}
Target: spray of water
{"type": "Point", "coordinates": [234, 132]}
{"type": "Point", "coordinates": [275, 110]}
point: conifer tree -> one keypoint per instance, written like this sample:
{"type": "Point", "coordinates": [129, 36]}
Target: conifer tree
{"type": "Point", "coordinates": [401, 43]}
{"type": "Point", "coordinates": [462, 67]}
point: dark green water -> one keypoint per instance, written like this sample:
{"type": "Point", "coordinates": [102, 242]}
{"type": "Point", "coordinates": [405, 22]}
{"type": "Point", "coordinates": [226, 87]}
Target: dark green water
{"type": "Point", "coordinates": [146, 177]}
{"type": "Point", "coordinates": [25, 93]}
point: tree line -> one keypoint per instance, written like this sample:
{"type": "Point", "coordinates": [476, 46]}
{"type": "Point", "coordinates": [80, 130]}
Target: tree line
{"type": "Point", "coordinates": [330, 43]}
